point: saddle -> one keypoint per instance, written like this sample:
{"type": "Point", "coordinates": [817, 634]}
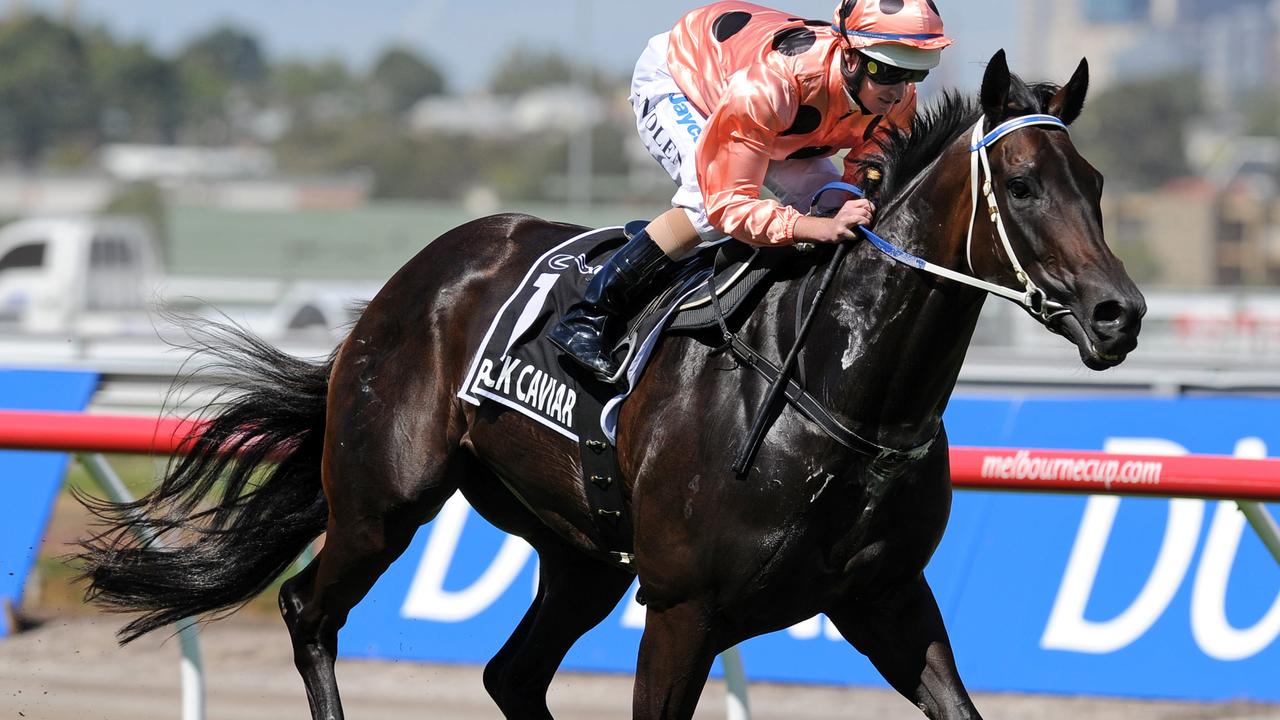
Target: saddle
{"type": "Point", "coordinates": [729, 270]}
{"type": "Point", "coordinates": [516, 367]}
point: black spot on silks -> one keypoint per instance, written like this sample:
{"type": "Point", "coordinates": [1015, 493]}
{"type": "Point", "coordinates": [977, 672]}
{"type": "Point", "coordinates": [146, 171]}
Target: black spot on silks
{"type": "Point", "coordinates": [934, 8]}
{"type": "Point", "coordinates": [891, 7]}
{"type": "Point", "coordinates": [818, 23]}
{"type": "Point", "coordinates": [808, 118]}
{"type": "Point", "coordinates": [728, 24]}
{"type": "Point", "coordinates": [794, 41]}
{"type": "Point", "coordinates": [810, 152]}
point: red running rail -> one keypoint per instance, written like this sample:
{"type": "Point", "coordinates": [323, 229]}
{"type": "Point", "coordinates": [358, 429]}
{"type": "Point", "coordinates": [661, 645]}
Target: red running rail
{"type": "Point", "coordinates": [1072, 471]}
{"type": "Point", "coordinates": [1205, 476]}
{"type": "Point", "coordinates": [70, 431]}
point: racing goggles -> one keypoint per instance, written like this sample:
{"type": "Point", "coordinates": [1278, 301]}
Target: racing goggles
{"type": "Point", "coordinates": [882, 74]}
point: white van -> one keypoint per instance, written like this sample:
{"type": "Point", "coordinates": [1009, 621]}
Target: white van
{"type": "Point", "coordinates": [101, 276]}
{"type": "Point", "coordinates": [87, 274]}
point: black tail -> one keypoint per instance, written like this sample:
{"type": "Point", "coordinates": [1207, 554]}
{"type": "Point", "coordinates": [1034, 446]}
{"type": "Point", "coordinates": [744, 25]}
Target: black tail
{"type": "Point", "coordinates": [236, 511]}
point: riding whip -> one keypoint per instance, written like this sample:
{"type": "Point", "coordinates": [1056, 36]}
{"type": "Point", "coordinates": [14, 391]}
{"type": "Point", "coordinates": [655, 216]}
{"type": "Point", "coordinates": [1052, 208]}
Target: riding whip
{"type": "Point", "coordinates": [764, 418]}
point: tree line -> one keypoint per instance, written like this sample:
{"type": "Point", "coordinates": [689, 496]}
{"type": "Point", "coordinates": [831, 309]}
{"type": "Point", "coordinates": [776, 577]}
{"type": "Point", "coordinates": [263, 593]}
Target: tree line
{"type": "Point", "coordinates": [67, 89]}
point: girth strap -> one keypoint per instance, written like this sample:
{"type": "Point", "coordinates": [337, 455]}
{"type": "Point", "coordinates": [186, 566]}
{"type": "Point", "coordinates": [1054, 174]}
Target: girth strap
{"type": "Point", "coordinates": [602, 478]}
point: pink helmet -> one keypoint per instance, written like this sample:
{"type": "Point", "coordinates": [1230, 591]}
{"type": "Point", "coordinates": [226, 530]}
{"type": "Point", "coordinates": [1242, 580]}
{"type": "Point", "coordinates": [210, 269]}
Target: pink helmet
{"type": "Point", "coordinates": [903, 33]}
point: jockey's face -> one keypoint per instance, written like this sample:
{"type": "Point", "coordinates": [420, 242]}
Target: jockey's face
{"type": "Point", "coordinates": [880, 99]}
{"type": "Point", "coordinates": [877, 97]}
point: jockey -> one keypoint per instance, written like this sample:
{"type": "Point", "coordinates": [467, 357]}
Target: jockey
{"type": "Point", "coordinates": [737, 97]}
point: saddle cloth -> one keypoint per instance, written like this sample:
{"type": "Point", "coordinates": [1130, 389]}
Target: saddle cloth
{"type": "Point", "coordinates": [515, 366]}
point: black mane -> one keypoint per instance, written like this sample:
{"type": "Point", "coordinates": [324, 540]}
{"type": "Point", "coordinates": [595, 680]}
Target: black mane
{"type": "Point", "coordinates": [905, 154]}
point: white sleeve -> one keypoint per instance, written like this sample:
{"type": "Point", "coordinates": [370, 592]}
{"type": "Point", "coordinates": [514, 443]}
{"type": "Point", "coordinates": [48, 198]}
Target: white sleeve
{"type": "Point", "coordinates": [794, 182]}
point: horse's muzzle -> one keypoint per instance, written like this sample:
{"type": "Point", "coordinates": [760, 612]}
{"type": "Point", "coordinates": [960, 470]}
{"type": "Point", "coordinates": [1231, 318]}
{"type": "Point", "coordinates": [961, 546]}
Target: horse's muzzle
{"type": "Point", "coordinates": [1109, 331]}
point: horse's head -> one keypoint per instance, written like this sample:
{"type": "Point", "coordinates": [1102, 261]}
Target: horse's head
{"type": "Point", "coordinates": [1049, 202]}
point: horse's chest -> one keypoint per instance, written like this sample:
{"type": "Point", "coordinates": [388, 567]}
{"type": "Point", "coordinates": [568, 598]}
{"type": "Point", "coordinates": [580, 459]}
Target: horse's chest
{"type": "Point", "coordinates": [881, 530]}
{"type": "Point", "coordinates": [846, 544]}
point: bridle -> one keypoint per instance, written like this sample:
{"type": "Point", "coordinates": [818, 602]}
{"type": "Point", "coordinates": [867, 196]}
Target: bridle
{"type": "Point", "coordinates": [1032, 298]}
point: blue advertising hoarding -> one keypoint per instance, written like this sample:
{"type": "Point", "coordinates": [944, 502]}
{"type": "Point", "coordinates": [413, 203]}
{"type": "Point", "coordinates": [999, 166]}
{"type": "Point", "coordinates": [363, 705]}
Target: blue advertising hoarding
{"type": "Point", "coordinates": [1041, 593]}
{"type": "Point", "coordinates": [31, 480]}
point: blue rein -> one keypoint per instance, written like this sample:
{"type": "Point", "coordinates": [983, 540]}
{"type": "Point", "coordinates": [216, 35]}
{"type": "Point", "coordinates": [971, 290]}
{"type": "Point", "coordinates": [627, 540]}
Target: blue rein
{"type": "Point", "coordinates": [1032, 298]}
{"type": "Point", "coordinates": [881, 244]}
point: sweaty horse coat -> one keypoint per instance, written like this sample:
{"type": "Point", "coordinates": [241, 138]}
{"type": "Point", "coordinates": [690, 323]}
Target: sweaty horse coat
{"type": "Point", "coordinates": [371, 443]}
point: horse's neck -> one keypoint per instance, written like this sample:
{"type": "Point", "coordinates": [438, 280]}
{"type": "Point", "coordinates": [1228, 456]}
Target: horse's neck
{"type": "Point", "coordinates": [894, 336]}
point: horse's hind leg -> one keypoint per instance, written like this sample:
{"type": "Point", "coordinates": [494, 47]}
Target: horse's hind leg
{"type": "Point", "coordinates": [575, 593]}
{"type": "Point", "coordinates": [315, 643]}
{"type": "Point", "coordinates": [316, 601]}
{"type": "Point", "coordinates": [903, 636]}
{"type": "Point", "coordinates": [379, 494]}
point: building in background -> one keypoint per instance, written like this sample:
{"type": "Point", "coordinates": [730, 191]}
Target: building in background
{"type": "Point", "coordinates": [244, 178]}
{"type": "Point", "coordinates": [1221, 227]}
{"type": "Point", "coordinates": [1194, 234]}
{"type": "Point", "coordinates": [1234, 44]}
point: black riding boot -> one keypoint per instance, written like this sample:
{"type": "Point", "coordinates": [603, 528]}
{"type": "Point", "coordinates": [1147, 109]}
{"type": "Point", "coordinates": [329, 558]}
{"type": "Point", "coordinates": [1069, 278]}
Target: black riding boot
{"type": "Point", "coordinates": [630, 278]}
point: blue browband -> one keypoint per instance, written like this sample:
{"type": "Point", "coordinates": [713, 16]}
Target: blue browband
{"type": "Point", "coordinates": [1015, 124]}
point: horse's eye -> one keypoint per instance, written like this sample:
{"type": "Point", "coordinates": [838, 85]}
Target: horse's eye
{"type": "Point", "coordinates": [1019, 188]}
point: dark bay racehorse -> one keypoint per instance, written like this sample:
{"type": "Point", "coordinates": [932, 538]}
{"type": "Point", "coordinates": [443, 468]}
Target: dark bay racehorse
{"type": "Point", "coordinates": [368, 446]}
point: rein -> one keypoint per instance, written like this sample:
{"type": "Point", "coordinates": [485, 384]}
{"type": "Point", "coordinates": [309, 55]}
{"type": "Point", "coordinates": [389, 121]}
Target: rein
{"type": "Point", "coordinates": [781, 385]}
{"type": "Point", "coordinates": [1032, 298]}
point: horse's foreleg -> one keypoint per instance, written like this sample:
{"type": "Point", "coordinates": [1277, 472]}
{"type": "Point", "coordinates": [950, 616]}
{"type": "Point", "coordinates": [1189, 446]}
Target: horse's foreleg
{"type": "Point", "coordinates": [575, 593]}
{"type": "Point", "coordinates": [903, 636]}
{"type": "Point", "coordinates": [676, 652]}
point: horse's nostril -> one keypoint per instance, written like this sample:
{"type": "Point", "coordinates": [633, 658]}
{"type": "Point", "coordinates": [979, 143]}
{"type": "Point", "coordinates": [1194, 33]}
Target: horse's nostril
{"type": "Point", "coordinates": [1110, 311]}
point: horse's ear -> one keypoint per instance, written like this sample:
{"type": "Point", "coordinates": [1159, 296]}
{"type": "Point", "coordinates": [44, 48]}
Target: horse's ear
{"type": "Point", "coordinates": [995, 87]}
{"type": "Point", "coordinates": [1069, 101]}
